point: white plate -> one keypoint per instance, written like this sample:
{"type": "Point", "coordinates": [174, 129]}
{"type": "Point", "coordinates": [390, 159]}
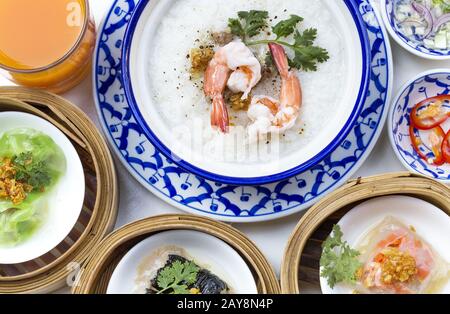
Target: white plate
{"type": "Point", "coordinates": [430, 222]}
{"type": "Point", "coordinates": [65, 200]}
{"type": "Point", "coordinates": [207, 251]}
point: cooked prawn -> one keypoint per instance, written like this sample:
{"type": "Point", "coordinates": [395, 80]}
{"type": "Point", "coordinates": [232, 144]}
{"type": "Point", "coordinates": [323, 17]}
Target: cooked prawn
{"type": "Point", "coordinates": [269, 115]}
{"type": "Point", "coordinates": [233, 65]}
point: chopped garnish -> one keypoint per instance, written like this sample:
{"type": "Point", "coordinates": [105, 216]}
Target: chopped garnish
{"type": "Point", "coordinates": [177, 277]}
{"type": "Point", "coordinates": [237, 103]}
{"type": "Point", "coordinates": [10, 187]}
{"type": "Point", "coordinates": [31, 172]}
{"type": "Point", "coordinates": [396, 266]}
{"type": "Point", "coordinates": [200, 59]}
{"type": "Point", "coordinates": [339, 261]}
{"type": "Point", "coordinates": [20, 176]}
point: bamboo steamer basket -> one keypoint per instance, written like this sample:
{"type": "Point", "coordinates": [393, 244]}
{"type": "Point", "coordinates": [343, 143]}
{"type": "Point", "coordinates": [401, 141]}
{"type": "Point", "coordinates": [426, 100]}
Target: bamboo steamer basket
{"type": "Point", "coordinates": [300, 267]}
{"type": "Point", "coordinates": [58, 267]}
{"type": "Point", "coordinates": [95, 276]}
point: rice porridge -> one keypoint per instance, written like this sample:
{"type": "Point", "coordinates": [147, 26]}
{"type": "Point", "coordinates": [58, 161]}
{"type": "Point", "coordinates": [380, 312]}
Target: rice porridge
{"type": "Point", "coordinates": [180, 99]}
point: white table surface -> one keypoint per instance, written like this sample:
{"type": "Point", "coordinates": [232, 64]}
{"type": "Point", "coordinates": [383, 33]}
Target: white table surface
{"type": "Point", "coordinates": [271, 237]}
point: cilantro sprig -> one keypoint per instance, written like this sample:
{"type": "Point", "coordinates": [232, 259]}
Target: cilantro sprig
{"type": "Point", "coordinates": [306, 54]}
{"type": "Point", "coordinates": [339, 261]}
{"type": "Point", "coordinates": [177, 277]}
{"type": "Point", "coordinates": [30, 171]}
{"type": "Point", "coordinates": [249, 23]}
{"type": "Point", "coordinates": [287, 27]}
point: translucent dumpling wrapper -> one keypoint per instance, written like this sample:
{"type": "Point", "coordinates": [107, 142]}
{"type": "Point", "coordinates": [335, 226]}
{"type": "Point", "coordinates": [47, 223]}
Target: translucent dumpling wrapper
{"type": "Point", "coordinates": [19, 221]}
{"type": "Point", "coordinates": [397, 261]}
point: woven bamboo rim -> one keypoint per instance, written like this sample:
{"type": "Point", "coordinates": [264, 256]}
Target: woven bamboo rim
{"type": "Point", "coordinates": [300, 267]}
{"type": "Point", "coordinates": [54, 270]}
{"type": "Point", "coordinates": [95, 277]}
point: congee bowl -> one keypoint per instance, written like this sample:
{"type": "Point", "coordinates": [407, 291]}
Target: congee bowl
{"type": "Point", "coordinates": [416, 47]}
{"type": "Point", "coordinates": [140, 40]}
{"type": "Point", "coordinates": [423, 86]}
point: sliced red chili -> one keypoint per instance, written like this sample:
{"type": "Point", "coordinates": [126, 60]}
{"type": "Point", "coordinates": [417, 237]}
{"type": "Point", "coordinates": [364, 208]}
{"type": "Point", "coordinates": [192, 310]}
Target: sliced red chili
{"type": "Point", "coordinates": [431, 112]}
{"type": "Point", "coordinates": [446, 148]}
{"type": "Point", "coordinates": [436, 137]}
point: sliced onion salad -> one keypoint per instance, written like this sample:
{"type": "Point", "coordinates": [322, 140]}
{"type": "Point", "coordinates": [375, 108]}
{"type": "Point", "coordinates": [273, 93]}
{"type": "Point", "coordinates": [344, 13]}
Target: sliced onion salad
{"type": "Point", "coordinates": [425, 13]}
{"type": "Point", "coordinates": [429, 23]}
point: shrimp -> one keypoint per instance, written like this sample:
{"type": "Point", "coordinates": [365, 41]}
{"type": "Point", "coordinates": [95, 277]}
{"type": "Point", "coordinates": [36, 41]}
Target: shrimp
{"type": "Point", "coordinates": [235, 66]}
{"type": "Point", "coordinates": [269, 115]}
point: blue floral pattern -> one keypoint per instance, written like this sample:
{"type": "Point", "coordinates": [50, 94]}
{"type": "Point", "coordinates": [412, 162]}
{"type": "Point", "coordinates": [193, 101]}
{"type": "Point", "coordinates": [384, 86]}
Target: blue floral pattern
{"type": "Point", "coordinates": [429, 85]}
{"type": "Point", "coordinates": [226, 202]}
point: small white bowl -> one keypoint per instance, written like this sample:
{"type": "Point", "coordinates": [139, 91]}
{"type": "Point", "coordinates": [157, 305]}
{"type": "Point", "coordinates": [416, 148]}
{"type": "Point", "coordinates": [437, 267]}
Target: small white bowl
{"type": "Point", "coordinates": [424, 85]}
{"type": "Point", "coordinates": [415, 48]}
{"type": "Point", "coordinates": [430, 222]}
{"type": "Point", "coordinates": [65, 200]}
{"type": "Point", "coordinates": [206, 250]}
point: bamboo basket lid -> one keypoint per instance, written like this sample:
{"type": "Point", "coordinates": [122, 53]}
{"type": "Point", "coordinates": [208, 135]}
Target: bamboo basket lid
{"type": "Point", "coordinates": [300, 267]}
{"type": "Point", "coordinates": [58, 267]}
{"type": "Point", "coordinates": [95, 276]}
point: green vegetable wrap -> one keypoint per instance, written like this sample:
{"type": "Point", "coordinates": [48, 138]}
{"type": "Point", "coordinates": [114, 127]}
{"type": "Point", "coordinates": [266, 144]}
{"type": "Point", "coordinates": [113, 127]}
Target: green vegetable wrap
{"type": "Point", "coordinates": [39, 162]}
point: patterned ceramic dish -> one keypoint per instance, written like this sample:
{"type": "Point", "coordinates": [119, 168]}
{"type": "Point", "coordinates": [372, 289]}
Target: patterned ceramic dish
{"type": "Point", "coordinates": [139, 39]}
{"type": "Point", "coordinates": [423, 86]}
{"type": "Point", "coordinates": [415, 47]}
{"type": "Point", "coordinates": [232, 203]}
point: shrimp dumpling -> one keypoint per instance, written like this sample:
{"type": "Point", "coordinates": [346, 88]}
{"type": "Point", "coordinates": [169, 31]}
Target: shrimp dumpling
{"type": "Point", "coordinates": [397, 261]}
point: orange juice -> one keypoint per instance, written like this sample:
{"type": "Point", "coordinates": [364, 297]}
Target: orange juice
{"type": "Point", "coordinates": [46, 44]}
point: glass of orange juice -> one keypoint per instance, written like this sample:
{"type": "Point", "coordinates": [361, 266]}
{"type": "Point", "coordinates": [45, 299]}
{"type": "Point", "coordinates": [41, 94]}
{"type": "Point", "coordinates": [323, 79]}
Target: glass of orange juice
{"type": "Point", "coordinates": [46, 44]}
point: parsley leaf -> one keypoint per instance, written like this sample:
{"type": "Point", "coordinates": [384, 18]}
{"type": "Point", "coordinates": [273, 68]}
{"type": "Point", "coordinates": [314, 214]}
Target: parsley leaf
{"type": "Point", "coordinates": [236, 28]}
{"type": "Point", "coordinates": [177, 277]}
{"type": "Point", "coordinates": [339, 261]}
{"type": "Point", "coordinates": [31, 172]}
{"type": "Point", "coordinates": [306, 55]}
{"type": "Point", "coordinates": [286, 27]}
{"type": "Point", "coordinates": [248, 24]}
{"type": "Point", "coordinates": [307, 38]}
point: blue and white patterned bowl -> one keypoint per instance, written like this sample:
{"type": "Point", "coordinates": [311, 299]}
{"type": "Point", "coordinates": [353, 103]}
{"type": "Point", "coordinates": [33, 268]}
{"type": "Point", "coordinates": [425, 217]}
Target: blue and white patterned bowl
{"type": "Point", "coordinates": [346, 11]}
{"type": "Point", "coordinates": [240, 204]}
{"type": "Point", "coordinates": [416, 48]}
{"type": "Point", "coordinates": [425, 85]}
